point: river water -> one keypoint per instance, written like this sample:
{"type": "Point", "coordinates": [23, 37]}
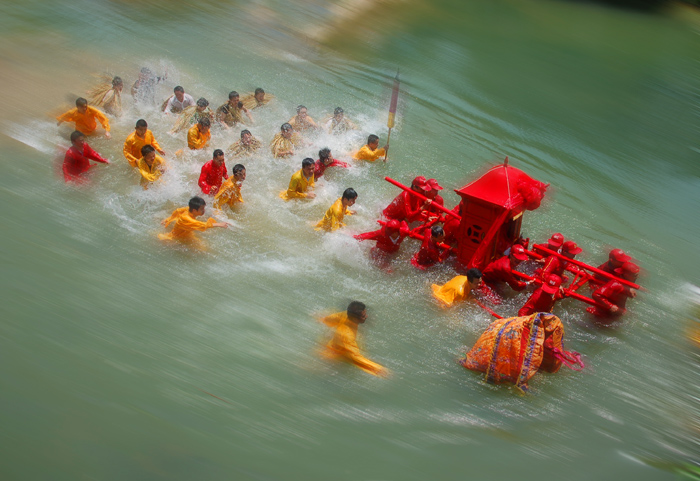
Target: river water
{"type": "Point", "coordinates": [123, 358]}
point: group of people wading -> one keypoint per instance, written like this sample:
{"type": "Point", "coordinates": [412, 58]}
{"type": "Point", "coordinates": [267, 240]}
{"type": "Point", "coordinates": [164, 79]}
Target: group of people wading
{"type": "Point", "coordinates": [537, 333]}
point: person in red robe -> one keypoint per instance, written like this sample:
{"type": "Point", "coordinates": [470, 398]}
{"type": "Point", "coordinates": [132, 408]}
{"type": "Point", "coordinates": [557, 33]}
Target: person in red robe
{"type": "Point", "coordinates": [406, 206]}
{"type": "Point", "coordinates": [543, 299]}
{"type": "Point", "coordinates": [429, 253]}
{"type": "Point", "coordinates": [213, 173]}
{"type": "Point", "coordinates": [389, 239]}
{"type": "Point", "coordinates": [557, 265]}
{"type": "Point", "coordinates": [612, 297]}
{"type": "Point", "coordinates": [616, 259]}
{"type": "Point", "coordinates": [77, 159]}
{"type": "Point", "coordinates": [325, 160]}
{"type": "Point", "coordinates": [500, 271]}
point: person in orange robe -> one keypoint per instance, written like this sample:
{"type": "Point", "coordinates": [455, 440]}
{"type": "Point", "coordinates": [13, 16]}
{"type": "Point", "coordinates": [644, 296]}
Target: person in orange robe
{"type": "Point", "coordinates": [459, 288]}
{"type": "Point", "coordinates": [230, 191]}
{"type": "Point", "coordinates": [333, 218]}
{"type": "Point", "coordinates": [186, 223]}
{"type": "Point", "coordinates": [137, 139]}
{"type": "Point", "coordinates": [85, 118]}
{"type": "Point", "coordinates": [371, 152]}
{"type": "Point", "coordinates": [343, 345]}
{"type": "Point", "coordinates": [150, 165]}
{"type": "Point", "coordinates": [198, 136]}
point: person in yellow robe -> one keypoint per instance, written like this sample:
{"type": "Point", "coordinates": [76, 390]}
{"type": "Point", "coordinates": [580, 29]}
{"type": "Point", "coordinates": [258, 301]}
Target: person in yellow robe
{"type": "Point", "coordinates": [256, 99]}
{"type": "Point", "coordinates": [150, 165]}
{"type": "Point", "coordinates": [233, 112]}
{"type": "Point", "coordinates": [301, 182]}
{"type": "Point", "coordinates": [85, 118]}
{"type": "Point", "coordinates": [192, 115]}
{"type": "Point", "coordinates": [371, 152]}
{"type": "Point", "coordinates": [230, 191]}
{"type": "Point", "coordinates": [302, 122]}
{"type": "Point", "coordinates": [284, 142]}
{"type": "Point", "coordinates": [245, 147]}
{"type": "Point", "coordinates": [108, 95]}
{"type": "Point", "coordinates": [459, 288]}
{"type": "Point", "coordinates": [333, 219]}
{"type": "Point", "coordinates": [186, 223]}
{"type": "Point", "coordinates": [198, 136]}
{"type": "Point", "coordinates": [137, 139]}
{"type": "Point", "coordinates": [343, 345]}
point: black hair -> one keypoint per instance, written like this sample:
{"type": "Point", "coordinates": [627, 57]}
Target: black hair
{"type": "Point", "coordinates": [355, 309]}
{"type": "Point", "coordinates": [179, 89]}
{"type": "Point", "coordinates": [237, 168]}
{"type": "Point", "coordinates": [76, 135]}
{"type": "Point", "coordinates": [141, 123]}
{"type": "Point", "coordinates": [324, 153]}
{"type": "Point", "coordinates": [117, 81]}
{"type": "Point", "coordinates": [301, 107]}
{"type": "Point", "coordinates": [307, 162]}
{"type": "Point", "coordinates": [287, 126]}
{"type": "Point", "coordinates": [147, 149]}
{"type": "Point", "coordinates": [337, 111]}
{"type": "Point", "coordinates": [204, 122]}
{"type": "Point", "coordinates": [202, 102]}
{"type": "Point", "coordinates": [372, 138]}
{"type": "Point", "coordinates": [197, 203]}
{"type": "Point", "coordinates": [246, 131]}
{"type": "Point", "coordinates": [259, 91]}
{"type": "Point", "coordinates": [473, 273]}
{"type": "Point", "coordinates": [349, 194]}
{"type": "Point", "coordinates": [437, 231]}
{"type": "Point", "coordinates": [80, 102]}
{"type": "Point", "coordinates": [233, 94]}
{"type": "Point", "coordinates": [218, 152]}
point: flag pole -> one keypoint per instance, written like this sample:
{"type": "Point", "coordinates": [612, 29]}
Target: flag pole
{"type": "Point", "coordinates": [392, 111]}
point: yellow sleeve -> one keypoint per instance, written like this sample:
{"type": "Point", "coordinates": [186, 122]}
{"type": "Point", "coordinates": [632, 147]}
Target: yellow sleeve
{"type": "Point", "coordinates": [345, 344]}
{"type": "Point", "coordinates": [190, 223]}
{"type": "Point", "coordinates": [128, 145]}
{"type": "Point", "coordinates": [194, 140]}
{"type": "Point", "coordinates": [175, 215]}
{"type": "Point", "coordinates": [154, 142]}
{"type": "Point", "coordinates": [101, 118]}
{"type": "Point", "coordinates": [67, 116]}
{"type": "Point", "coordinates": [370, 156]}
{"type": "Point", "coordinates": [295, 189]}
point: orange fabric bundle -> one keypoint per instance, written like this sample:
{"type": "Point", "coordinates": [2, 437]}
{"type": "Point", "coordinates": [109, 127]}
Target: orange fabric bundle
{"type": "Point", "coordinates": [514, 349]}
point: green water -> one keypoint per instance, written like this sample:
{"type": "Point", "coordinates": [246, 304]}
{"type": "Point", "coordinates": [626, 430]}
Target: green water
{"type": "Point", "coordinates": [114, 345]}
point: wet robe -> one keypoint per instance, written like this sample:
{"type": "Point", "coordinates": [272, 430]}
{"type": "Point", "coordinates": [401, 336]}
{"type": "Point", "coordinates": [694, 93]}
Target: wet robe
{"type": "Point", "coordinates": [185, 227]}
{"type": "Point", "coordinates": [365, 153]}
{"type": "Point", "coordinates": [250, 102]}
{"type": "Point", "coordinates": [230, 114]}
{"type": "Point", "coordinates": [307, 124]}
{"type": "Point", "coordinates": [333, 219]}
{"type": "Point", "coordinates": [456, 290]}
{"type": "Point", "coordinates": [385, 242]}
{"type": "Point", "coordinates": [87, 122]}
{"type": "Point", "coordinates": [106, 97]}
{"type": "Point", "coordinates": [336, 127]}
{"type": "Point", "coordinates": [211, 176]}
{"type": "Point", "coordinates": [539, 301]}
{"type": "Point", "coordinates": [298, 186]}
{"type": "Point", "coordinates": [429, 253]}
{"type": "Point", "coordinates": [613, 293]}
{"type": "Point", "coordinates": [320, 167]}
{"type": "Point", "coordinates": [500, 271]}
{"type": "Point", "coordinates": [196, 139]}
{"type": "Point", "coordinates": [405, 206]}
{"type": "Point", "coordinates": [512, 350]}
{"type": "Point", "coordinates": [281, 144]}
{"type": "Point", "coordinates": [343, 346]}
{"type": "Point", "coordinates": [133, 144]}
{"type": "Point", "coordinates": [229, 194]}
{"type": "Point", "coordinates": [191, 116]}
{"type": "Point", "coordinates": [75, 163]}
{"type": "Point", "coordinates": [152, 173]}
{"type": "Point", "coordinates": [239, 149]}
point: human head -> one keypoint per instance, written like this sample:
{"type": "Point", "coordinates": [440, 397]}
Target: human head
{"type": "Point", "coordinates": [179, 93]}
{"type": "Point", "coordinates": [393, 226]}
{"type": "Point", "coordinates": [617, 257]}
{"type": "Point", "coordinates": [233, 97]}
{"type": "Point", "coordinates": [373, 141]}
{"type": "Point", "coordinates": [197, 204]}
{"type": "Point", "coordinates": [141, 127]}
{"type": "Point", "coordinates": [117, 83]}
{"type": "Point", "coordinates": [145, 73]}
{"type": "Point", "coordinates": [307, 167]}
{"type": "Point", "coordinates": [302, 111]}
{"type": "Point", "coordinates": [81, 104]}
{"type": "Point", "coordinates": [338, 113]}
{"type": "Point", "coordinates": [238, 172]}
{"type": "Point", "coordinates": [570, 249]}
{"type": "Point", "coordinates": [259, 94]}
{"type": "Point", "coordinates": [204, 123]}
{"type": "Point", "coordinates": [324, 154]}
{"type": "Point", "coordinates": [473, 275]}
{"type": "Point", "coordinates": [420, 185]}
{"type": "Point", "coordinates": [77, 138]}
{"type": "Point", "coordinates": [357, 311]}
{"type": "Point", "coordinates": [202, 104]}
{"type": "Point", "coordinates": [628, 271]}
{"type": "Point", "coordinates": [350, 194]}
{"type": "Point", "coordinates": [551, 284]}
{"type": "Point", "coordinates": [218, 156]}
{"type": "Point", "coordinates": [555, 241]}
{"type": "Point", "coordinates": [286, 130]}
{"type": "Point", "coordinates": [517, 252]}
{"type": "Point", "coordinates": [147, 149]}
{"type": "Point", "coordinates": [437, 232]}
{"type": "Point", "coordinates": [434, 188]}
